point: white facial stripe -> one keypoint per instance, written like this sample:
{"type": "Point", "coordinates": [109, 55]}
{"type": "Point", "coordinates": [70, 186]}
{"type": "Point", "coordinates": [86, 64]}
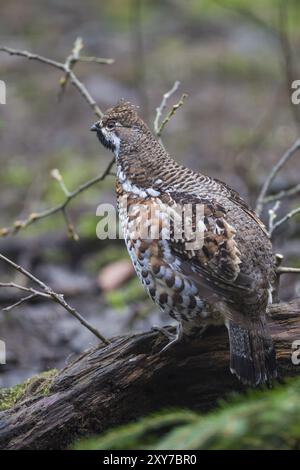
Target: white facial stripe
{"type": "Point", "coordinates": [112, 138]}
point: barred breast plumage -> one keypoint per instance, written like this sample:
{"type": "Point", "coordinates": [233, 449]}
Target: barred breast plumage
{"type": "Point", "coordinates": [227, 278]}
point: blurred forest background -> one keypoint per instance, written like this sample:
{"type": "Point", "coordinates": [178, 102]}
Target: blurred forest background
{"type": "Point", "coordinates": [234, 59]}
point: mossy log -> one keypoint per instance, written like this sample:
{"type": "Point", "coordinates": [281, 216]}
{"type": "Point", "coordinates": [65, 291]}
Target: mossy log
{"type": "Point", "coordinates": [111, 385]}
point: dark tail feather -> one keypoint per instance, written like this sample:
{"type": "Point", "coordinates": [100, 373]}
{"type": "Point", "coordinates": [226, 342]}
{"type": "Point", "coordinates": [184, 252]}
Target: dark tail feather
{"type": "Point", "coordinates": [252, 354]}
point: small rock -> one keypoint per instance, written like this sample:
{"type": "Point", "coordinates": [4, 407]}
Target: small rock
{"type": "Point", "coordinates": [115, 275]}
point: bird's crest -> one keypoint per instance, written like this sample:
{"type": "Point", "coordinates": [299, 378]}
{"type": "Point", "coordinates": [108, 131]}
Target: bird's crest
{"type": "Point", "coordinates": [124, 112]}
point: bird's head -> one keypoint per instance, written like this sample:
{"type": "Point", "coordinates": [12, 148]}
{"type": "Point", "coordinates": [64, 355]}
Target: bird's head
{"type": "Point", "coordinates": [120, 126]}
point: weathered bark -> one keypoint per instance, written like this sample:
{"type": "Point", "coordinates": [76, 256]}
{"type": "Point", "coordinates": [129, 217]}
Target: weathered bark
{"type": "Point", "coordinates": [111, 385]}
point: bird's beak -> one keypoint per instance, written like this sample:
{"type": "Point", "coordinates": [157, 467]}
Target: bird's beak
{"type": "Point", "coordinates": [94, 127]}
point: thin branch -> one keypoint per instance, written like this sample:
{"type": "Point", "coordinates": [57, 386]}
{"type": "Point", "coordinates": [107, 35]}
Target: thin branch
{"type": "Point", "coordinates": [284, 194]}
{"type": "Point", "coordinates": [162, 106]}
{"type": "Point", "coordinates": [69, 75]}
{"type": "Point", "coordinates": [272, 216]}
{"type": "Point", "coordinates": [31, 56]}
{"type": "Point", "coordinates": [171, 113]}
{"type": "Point", "coordinates": [284, 219]}
{"type": "Point", "coordinates": [34, 217]}
{"type": "Point", "coordinates": [70, 226]}
{"type": "Point", "coordinates": [57, 176]}
{"type": "Point", "coordinates": [35, 292]}
{"type": "Point", "coordinates": [96, 60]}
{"type": "Point", "coordinates": [20, 302]}
{"type": "Point", "coordinates": [275, 170]}
{"type": "Point", "coordinates": [159, 123]}
{"type": "Point", "coordinates": [70, 63]}
{"type": "Point", "coordinates": [65, 67]}
{"type": "Point", "coordinates": [56, 297]}
{"type": "Point", "coordinates": [287, 269]}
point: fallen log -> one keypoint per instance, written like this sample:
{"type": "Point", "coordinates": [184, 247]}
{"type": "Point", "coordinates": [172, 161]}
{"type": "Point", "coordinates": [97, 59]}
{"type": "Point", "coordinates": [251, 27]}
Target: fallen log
{"type": "Point", "coordinates": [111, 385]}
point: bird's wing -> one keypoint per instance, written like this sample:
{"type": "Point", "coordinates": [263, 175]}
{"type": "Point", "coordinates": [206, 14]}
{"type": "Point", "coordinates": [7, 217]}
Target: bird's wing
{"type": "Point", "coordinates": [216, 260]}
{"type": "Point", "coordinates": [238, 200]}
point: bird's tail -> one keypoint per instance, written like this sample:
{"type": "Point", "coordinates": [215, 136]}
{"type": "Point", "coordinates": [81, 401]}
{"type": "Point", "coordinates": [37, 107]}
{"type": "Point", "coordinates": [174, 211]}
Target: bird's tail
{"type": "Point", "coordinates": [252, 353]}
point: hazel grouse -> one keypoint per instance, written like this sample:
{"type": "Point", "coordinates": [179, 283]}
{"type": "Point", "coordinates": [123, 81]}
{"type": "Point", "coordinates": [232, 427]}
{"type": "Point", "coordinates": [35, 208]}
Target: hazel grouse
{"type": "Point", "coordinates": [227, 278]}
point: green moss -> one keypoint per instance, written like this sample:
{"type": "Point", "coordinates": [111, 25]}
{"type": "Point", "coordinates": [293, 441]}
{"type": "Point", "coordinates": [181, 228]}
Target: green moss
{"type": "Point", "coordinates": [37, 385]}
{"type": "Point", "coordinates": [9, 396]}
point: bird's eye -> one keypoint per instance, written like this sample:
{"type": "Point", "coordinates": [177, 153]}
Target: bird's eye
{"type": "Point", "coordinates": [110, 125]}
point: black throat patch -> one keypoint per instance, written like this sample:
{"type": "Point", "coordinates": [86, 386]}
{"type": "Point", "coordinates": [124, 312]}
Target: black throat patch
{"type": "Point", "coordinates": [104, 140]}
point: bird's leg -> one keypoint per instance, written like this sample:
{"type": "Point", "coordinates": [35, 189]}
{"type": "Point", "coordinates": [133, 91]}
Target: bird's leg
{"type": "Point", "coordinates": [164, 331]}
{"type": "Point", "coordinates": [172, 337]}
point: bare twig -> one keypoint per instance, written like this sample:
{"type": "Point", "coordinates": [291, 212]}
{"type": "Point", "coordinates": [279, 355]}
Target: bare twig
{"type": "Point", "coordinates": [53, 295]}
{"type": "Point", "coordinates": [73, 235]}
{"type": "Point", "coordinates": [69, 75]}
{"type": "Point", "coordinates": [71, 229]}
{"type": "Point", "coordinates": [284, 219]}
{"type": "Point", "coordinates": [284, 194]}
{"type": "Point", "coordinates": [278, 272]}
{"type": "Point", "coordinates": [20, 302]}
{"type": "Point", "coordinates": [13, 285]}
{"type": "Point", "coordinates": [272, 216]}
{"type": "Point", "coordinates": [275, 170]}
{"type": "Point", "coordinates": [70, 62]}
{"type": "Point", "coordinates": [170, 114]}
{"type": "Point", "coordinates": [65, 67]}
{"type": "Point", "coordinates": [162, 106]}
{"type": "Point", "coordinates": [57, 176]}
{"type": "Point", "coordinates": [34, 217]}
{"type": "Point", "coordinates": [287, 270]}
{"type": "Point", "coordinates": [96, 60]}
{"type": "Point", "coordinates": [160, 123]}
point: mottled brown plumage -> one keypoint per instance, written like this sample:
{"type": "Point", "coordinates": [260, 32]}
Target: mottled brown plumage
{"type": "Point", "coordinates": [227, 280]}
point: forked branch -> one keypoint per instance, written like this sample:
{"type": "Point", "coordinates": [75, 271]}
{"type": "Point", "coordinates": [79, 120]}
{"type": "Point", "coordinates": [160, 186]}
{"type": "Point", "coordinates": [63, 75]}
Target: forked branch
{"type": "Point", "coordinates": [262, 198]}
{"type": "Point", "coordinates": [159, 121]}
{"type": "Point", "coordinates": [47, 292]}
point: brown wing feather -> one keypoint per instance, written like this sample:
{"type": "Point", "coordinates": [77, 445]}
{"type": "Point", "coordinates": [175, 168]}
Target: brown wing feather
{"type": "Point", "coordinates": [237, 199]}
{"type": "Point", "coordinates": [217, 263]}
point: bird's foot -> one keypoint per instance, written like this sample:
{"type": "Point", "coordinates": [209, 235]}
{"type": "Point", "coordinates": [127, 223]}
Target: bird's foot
{"type": "Point", "coordinates": [173, 338]}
